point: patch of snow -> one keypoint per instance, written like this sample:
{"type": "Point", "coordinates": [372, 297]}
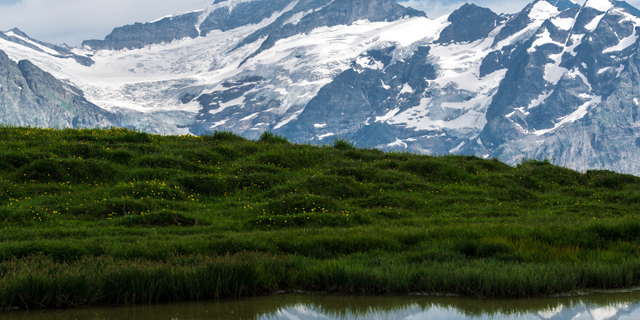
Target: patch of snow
{"type": "Point", "coordinates": [624, 43]}
{"type": "Point", "coordinates": [366, 62]}
{"type": "Point", "coordinates": [572, 117]}
{"type": "Point", "coordinates": [563, 23]}
{"type": "Point", "coordinates": [388, 116]}
{"type": "Point", "coordinates": [291, 118]}
{"type": "Point", "coordinates": [406, 89]}
{"type": "Point", "coordinates": [576, 40]}
{"type": "Point", "coordinates": [235, 102]}
{"type": "Point", "coordinates": [319, 125]}
{"type": "Point", "coordinates": [326, 136]}
{"type": "Point", "coordinates": [33, 43]}
{"type": "Point", "coordinates": [297, 17]}
{"type": "Point", "coordinates": [385, 86]}
{"type": "Point", "coordinates": [250, 117]}
{"type": "Point", "coordinates": [217, 124]}
{"type": "Point", "coordinates": [519, 127]}
{"type": "Point", "coordinates": [540, 12]}
{"type": "Point", "coordinates": [576, 73]}
{"type": "Point", "coordinates": [521, 109]}
{"type": "Point", "coordinates": [600, 5]}
{"type": "Point", "coordinates": [281, 91]}
{"type": "Point", "coordinates": [456, 149]}
{"type": "Point", "coordinates": [398, 143]}
{"type": "Point", "coordinates": [543, 10]}
{"type": "Point", "coordinates": [471, 119]}
{"type": "Point", "coordinates": [460, 64]}
{"type": "Point", "coordinates": [541, 39]}
{"type": "Point", "coordinates": [594, 23]}
{"type": "Point", "coordinates": [553, 72]}
{"type": "Point", "coordinates": [540, 99]}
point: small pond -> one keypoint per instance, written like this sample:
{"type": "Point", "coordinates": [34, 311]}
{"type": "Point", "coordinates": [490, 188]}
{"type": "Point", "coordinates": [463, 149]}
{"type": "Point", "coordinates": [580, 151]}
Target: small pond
{"type": "Point", "coordinates": [603, 306]}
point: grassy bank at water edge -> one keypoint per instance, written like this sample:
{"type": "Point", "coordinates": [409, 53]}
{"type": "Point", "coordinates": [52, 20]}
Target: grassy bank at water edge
{"type": "Point", "coordinates": [118, 216]}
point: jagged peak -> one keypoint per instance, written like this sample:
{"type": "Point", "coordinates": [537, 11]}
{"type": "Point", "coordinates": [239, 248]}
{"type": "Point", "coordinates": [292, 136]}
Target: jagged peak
{"type": "Point", "coordinates": [469, 7]}
{"type": "Point", "coordinates": [469, 23]}
{"type": "Point", "coordinates": [18, 32]}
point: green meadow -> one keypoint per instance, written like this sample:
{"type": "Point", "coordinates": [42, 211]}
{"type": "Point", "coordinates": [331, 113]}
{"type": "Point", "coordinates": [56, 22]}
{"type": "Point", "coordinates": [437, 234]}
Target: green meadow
{"type": "Point", "coordinates": [116, 216]}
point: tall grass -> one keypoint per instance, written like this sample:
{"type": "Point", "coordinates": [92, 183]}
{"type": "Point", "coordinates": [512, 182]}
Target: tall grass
{"type": "Point", "coordinates": [118, 216]}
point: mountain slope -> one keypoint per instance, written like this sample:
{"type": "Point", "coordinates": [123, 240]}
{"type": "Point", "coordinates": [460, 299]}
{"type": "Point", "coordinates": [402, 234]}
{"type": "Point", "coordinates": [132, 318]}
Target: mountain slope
{"type": "Point", "coordinates": [571, 95]}
{"type": "Point", "coordinates": [26, 90]}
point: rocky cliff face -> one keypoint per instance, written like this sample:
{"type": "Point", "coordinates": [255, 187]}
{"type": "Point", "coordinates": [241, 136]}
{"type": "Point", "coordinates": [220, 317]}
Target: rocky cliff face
{"type": "Point", "coordinates": [570, 93]}
{"type": "Point", "coordinates": [32, 97]}
{"type": "Point", "coordinates": [558, 80]}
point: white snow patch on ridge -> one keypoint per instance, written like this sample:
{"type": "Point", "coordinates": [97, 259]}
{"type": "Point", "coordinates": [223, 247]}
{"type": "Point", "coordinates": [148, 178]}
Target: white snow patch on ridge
{"type": "Point", "coordinates": [553, 72]}
{"type": "Point", "coordinates": [33, 43]}
{"type": "Point", "coordinates": [543, 10]}
{"type": "Point", "coordinates": [406, 89]}
{"type": "Point", "coordinates": [369, 63]}
{"type": "Point", "coordinates": [388, 116]}
{"type": "Point", "coordinates": [600, 5]}
{"type": "Point", "coordinates": [594, 23]}
{"type": "Point", "coordinates": [563, 23]}
{"type": "Point", "coordinates": [297, 17]}
{"type": "Point", "coordinates": [456, 149]}
{"type": "Point", "coordinates": [540, 99]}
{"type": "Point", "coordinates": [540, 12]}
{"type": "Point", "coordinates": [398, 143]}
{"type": "Point", "coordinates": [326, 136]}
{"type": "Point", "coordinates": [541, 39]}
{"type": "Point", "coordinates": [625, 42]}
{"type": "Point", "coordinates": [574, 116]}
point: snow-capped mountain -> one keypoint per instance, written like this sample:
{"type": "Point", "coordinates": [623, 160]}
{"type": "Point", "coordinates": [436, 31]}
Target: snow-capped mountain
{"type": "Point", "coordinates": [558, 80]}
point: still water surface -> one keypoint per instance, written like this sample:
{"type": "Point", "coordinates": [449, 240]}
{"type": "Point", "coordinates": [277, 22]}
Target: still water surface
{"type": "Point", "coordinates": [611, 306]}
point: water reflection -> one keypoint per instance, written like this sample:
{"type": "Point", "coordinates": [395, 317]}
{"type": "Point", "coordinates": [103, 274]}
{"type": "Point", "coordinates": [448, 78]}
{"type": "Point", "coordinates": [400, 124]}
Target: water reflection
{"type": "Point", "coordinates": [619, 306]}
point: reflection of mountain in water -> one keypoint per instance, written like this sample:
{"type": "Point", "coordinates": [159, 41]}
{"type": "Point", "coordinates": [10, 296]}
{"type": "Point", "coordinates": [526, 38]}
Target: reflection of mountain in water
{"type": "Point", "coordinates": [415, 312]}
{"type": "Point", "coordinates": [331, 307]}
{"type": "Point", "coordinates": [602, 308]}
{"type": "Point", "coordinates": [584, 312]}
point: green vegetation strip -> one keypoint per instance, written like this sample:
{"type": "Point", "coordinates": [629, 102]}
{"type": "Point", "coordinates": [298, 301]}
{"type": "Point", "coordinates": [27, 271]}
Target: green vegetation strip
{"type": "Point", "coordinates": [118, 216]}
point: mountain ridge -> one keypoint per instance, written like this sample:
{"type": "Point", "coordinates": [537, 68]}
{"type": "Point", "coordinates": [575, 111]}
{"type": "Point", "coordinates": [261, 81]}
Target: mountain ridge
{"type": "Point", "coordinates": [524, 85]}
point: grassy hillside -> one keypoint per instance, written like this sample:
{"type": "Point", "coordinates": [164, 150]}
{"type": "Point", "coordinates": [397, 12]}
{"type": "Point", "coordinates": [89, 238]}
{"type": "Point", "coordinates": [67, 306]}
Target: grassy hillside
{"type": "Point", "coordinates": [118, 216]}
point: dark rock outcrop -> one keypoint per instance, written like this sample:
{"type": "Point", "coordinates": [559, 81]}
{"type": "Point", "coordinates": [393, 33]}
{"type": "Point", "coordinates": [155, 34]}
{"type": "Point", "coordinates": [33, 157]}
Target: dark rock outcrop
{"type": "Point", "coordinates": [469, 23]}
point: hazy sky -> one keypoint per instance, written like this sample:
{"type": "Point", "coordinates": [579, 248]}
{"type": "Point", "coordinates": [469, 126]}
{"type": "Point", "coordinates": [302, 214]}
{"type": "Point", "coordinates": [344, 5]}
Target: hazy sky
{"type": "Point", "coordinates": [71, 21]}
